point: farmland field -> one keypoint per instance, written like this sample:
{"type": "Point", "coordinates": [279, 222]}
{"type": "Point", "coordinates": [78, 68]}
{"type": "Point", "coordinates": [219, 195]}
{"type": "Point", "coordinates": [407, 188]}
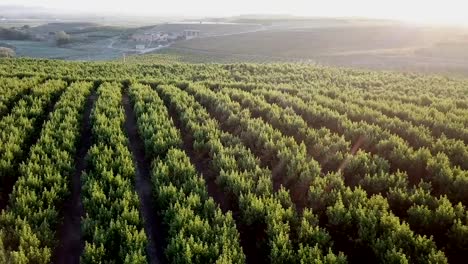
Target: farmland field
{"type": "Point", "coordinates": [387, 47]}
{"type": "Point", "coordinates": [105, 162]}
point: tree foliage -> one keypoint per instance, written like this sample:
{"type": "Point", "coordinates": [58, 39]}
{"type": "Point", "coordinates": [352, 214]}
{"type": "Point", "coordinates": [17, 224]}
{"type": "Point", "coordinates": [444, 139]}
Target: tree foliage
{"type": "Point", "coordinates": [30, 222]}
{"type": "Point", "coordinates": [316, 164]}
{"type": "Point", "coordinates": [198, 232]}
{"type": "Point", "coordinates": [62, 38]}
{"type": "Point", "coordinates": [113, 226]}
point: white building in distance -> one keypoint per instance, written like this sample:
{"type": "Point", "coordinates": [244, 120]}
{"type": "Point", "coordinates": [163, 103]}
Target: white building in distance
{"type": "Point", "coordinates": [190, 34]}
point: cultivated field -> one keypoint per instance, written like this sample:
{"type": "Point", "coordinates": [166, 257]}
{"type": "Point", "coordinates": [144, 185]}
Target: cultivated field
{"type": "Point", "coordinates": [235, 163]}
{"type": "Point", "coordinates": [368, 46]}
{"type": "Point", "coordinates": [358, 43]}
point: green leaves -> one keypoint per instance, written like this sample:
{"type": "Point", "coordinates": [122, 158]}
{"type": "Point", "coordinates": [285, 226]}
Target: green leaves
{"type": "Point", "coordinates": [372, 164]}
{"type": "Point", "coordinates": [198, 232]}
{"type": "Point", "coordinates": [113, 227]}
{"type": "Point", "coordinates": [239, 171]}
{"type": "Point", "coordinates": [17, 128]}
{"type": "Point", "coordinates": [32, 217]}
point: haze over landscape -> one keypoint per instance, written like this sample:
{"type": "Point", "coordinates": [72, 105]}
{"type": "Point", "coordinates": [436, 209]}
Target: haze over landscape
{"type": "Point", "coordinates": [428, 11]}
{"type": "Point", "coordinates": [233, 132]}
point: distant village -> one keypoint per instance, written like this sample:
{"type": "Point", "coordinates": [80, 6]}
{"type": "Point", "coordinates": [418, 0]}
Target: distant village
{"type": "Point", "coordinates": [66, 33]}
{"type": "Point", "coordinates": [151, 39]}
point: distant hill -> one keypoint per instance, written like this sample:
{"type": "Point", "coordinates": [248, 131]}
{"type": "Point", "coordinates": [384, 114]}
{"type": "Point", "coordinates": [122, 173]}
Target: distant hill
{"type": "Point", "coordinates": [65, 26]}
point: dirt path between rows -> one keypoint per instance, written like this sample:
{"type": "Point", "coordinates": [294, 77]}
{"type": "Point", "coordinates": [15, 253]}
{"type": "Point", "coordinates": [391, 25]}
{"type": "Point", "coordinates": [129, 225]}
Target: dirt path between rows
{"type": "Point", "coordinates": [227, 202]}
{"type": "Point", "coordinates": [7, 182]}
{"type": "Point", "coordinates": [71, 242]}
{"type": "Point", "coordinates": [202, 161]}
{"type": "Point", "coordinates": [298, 190]}
{"type": "Point", "coordinates": [153, 224]}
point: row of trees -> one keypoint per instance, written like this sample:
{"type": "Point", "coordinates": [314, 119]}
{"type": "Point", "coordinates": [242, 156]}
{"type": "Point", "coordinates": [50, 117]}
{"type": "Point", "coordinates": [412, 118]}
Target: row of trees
{"type": "Point", "coordinates": [267, 218]}
{"type": "Point", "coordinates": [356, 222]}
{"type": "Point", "coordinates": [422, 90]}
{"type": "Point", "coordinates": [329, 149]}
{"type": "Point", "coordinates": [198, 232]}
{"type": "Point", "coordinates": [296, 168]}
{"type": "Point", "coordinates": [112, 227]}
{"type": "Point", "coordinates": [364, 170]}
{"type": "Point", "coordinates": [20, 126]}
{"type": "Point", "coordinates": [437, 92]}
{"type": "Point", "coordinates": [110, 71]}
{"type": "Point", "coordinates": [28, 226]}
{"type": "Point", "coordinates": [13, 89]}
{"type": "Point", "coordinates": [388, 202]}
{"type": "Point", "coordinates": [418, 164]}
{"type": "Point", "coordinates": [333, 152]}
{"type": "Point", "coordinates": [451, 98]}
{"type": "Point", "coordinates": [416, 136]}
{"type": "Point", "coordinates": [450, 121]}
{"type": "Point", "coordinates": [14, 34]}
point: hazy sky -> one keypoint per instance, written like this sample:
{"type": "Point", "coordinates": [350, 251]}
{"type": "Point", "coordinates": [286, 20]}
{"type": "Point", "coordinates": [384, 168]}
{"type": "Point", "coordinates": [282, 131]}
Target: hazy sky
{"type": "Point", "coordinates": [453, 11]}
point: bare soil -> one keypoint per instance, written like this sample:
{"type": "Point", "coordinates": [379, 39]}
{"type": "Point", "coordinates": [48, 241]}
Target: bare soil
{"type": "Point", "coordinates": [249, 235]}
{"type": "Point", "coordinates": [8, 181]}
{"type": "Point", "coordinates": [153, 224]}
{"type": "Point", "coordinates": [71, 242]}
{"type": "Point", "coordinates": [298, 190]}
{"type": "Point", "coordinates": [202, 164]}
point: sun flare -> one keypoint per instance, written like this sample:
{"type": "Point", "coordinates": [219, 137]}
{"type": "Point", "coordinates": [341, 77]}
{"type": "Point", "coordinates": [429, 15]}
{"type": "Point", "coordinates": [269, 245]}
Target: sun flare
{"type": "Point", "coordinates": [425, 11]}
